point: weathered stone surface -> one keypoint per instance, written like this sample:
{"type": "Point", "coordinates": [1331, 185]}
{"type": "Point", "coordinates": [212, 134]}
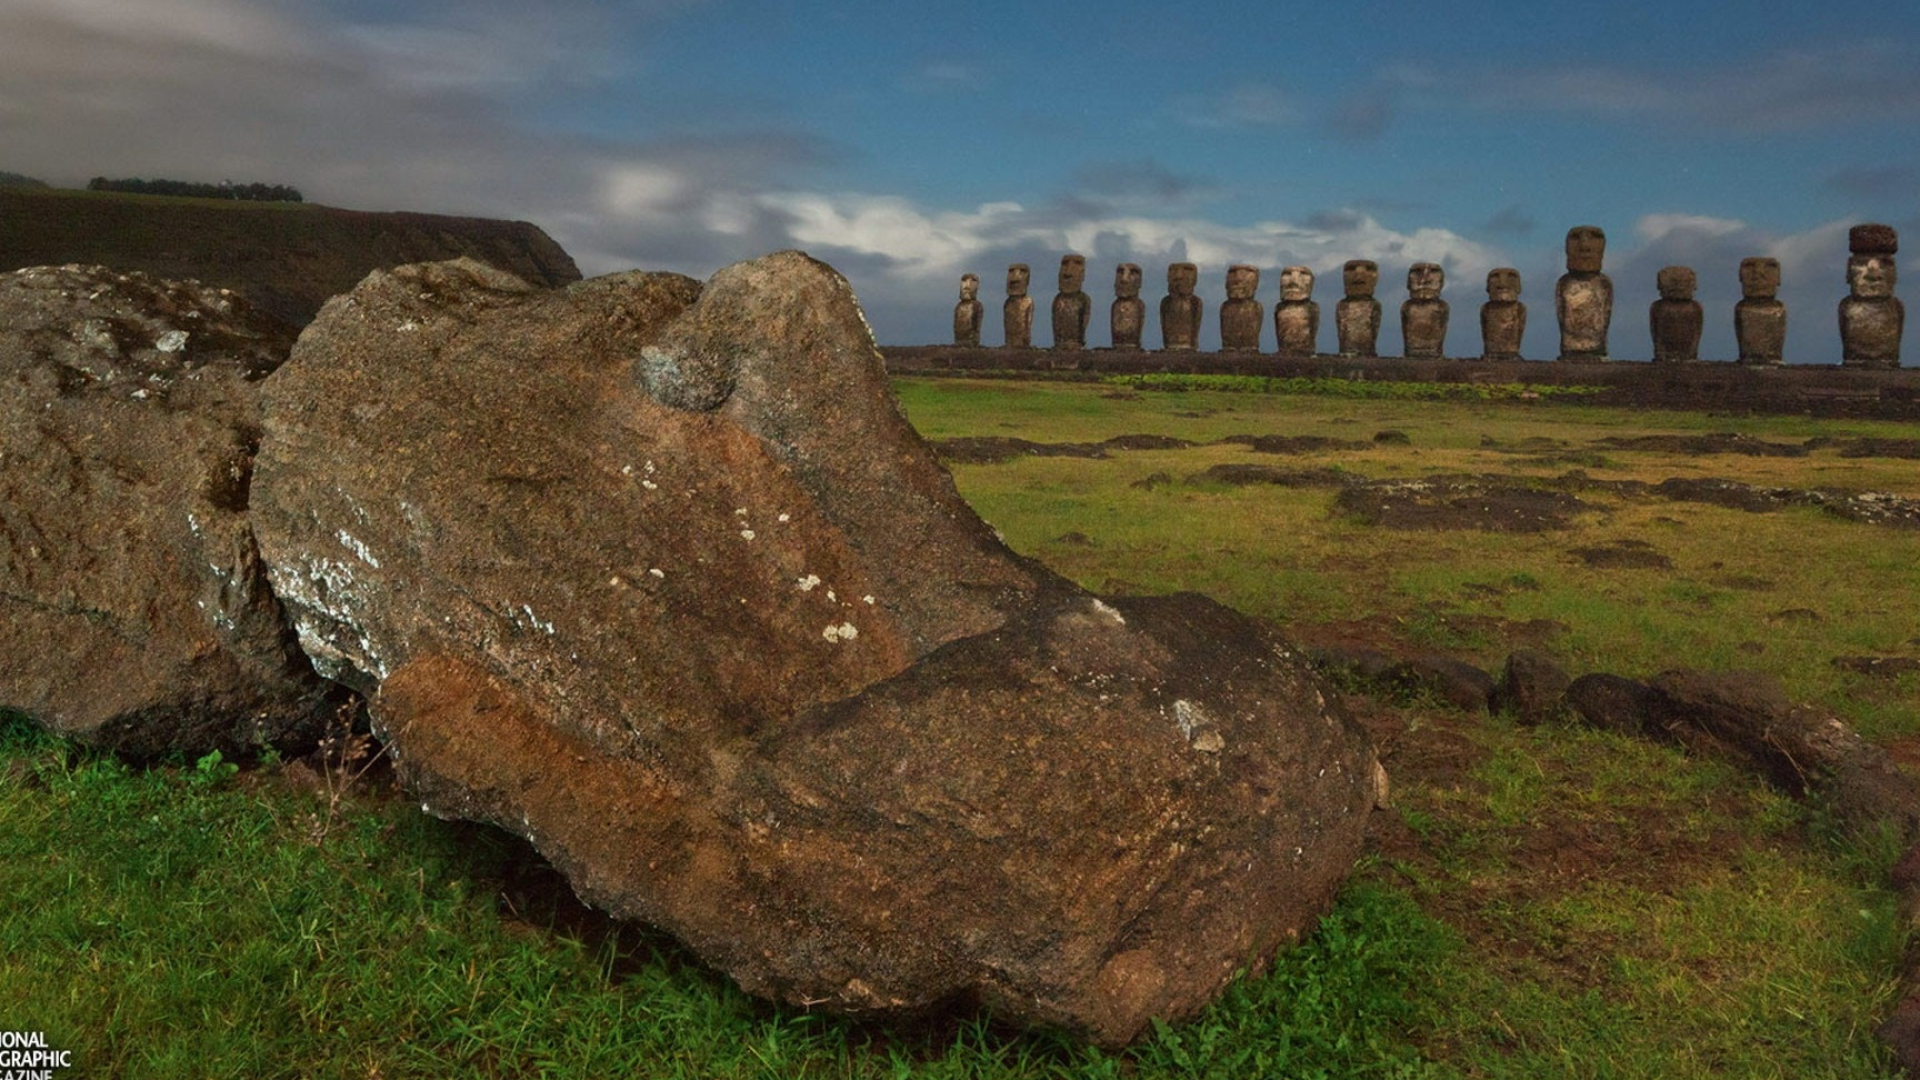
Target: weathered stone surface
{"type": "Point", "coordinates": [1072, 307]}
{"type": "Point", "coordinates": [1357, 316]}
{"type": "Point", "coordinates": [1128, 316]}
{"type": "Point", "coordinates": [1676, 319]}
{"type": "Point", "coordinates": [1583, 297]}
{"type": "Point", "coordinates": [1296, 319]}
{"type": "Point", "coordinates": [134, 609]}
{"type": "Point", "coordinates": [743, 665]}
{"type": "Point", "coordinates": [1241, 316]}
{"type": "Point", "coordinates": [1455, 682]}
{"type": "Point", "coordinates": [1503, 318]}
{"type": "Point", "coordinates": [968, 312]}
{"type": "Point", "coordinates": [1016, 313]}
{"type": "Point", "coordinates": [1872, 319]}
{"type": "Point", "coordinates": [1760, 318]}
{"type": "Point", "coordinates": [1423, 315]}
{"type": "Point", "coordinates": [1532, 685]}
{"type": "Point", "coordinates": [1613, 703]}
{"type": "Point", "coordinates": [1180, 310]}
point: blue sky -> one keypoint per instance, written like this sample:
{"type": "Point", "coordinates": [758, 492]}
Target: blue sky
{"type": "Point", "coordinates": [907, 144]}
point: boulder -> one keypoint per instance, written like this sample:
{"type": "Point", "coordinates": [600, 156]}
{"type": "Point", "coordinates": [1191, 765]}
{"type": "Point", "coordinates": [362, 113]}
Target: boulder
{"type": "Point", "coordinates": [1454, 682]}
{"type": "Point", "coordinates": [1613, 703]}
{"type": "Point", "coordinates": [134, 609]}
{"type": "Point", "coordinates": [654, 574]}
{"type": "Point", "coordinates": [1531, 686]}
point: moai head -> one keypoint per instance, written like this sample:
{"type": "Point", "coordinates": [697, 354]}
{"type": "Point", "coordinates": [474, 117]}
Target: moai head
{"type": "Point", "coordinates": [1425, 280]}
{"type": "Point", "coordinates": [969, 286]}
{"type": "Point", "coordinates": [1182, 278]}
{"type": "Point", "coordinates": [1296, 283]}
{"type": "Point", "coordinates": [1361, 277]}
{"type": "Point", "coordinates": [1677, 282]}
{"type": "Point", "coordinates": [1503, 285]}
{"type": "Point", "coordinates": [1017, 277]}
{"type": "Point", "coordinates": [1759, 278]}
{"type": "Point", "coordinates": [1126, 280]}
{"type": "Point", "coordinates": [1586, 249]}
{"type": "Point", "coordinates": [1242, 282]}
{"type": "Point", "coordinates": [1073, 273]}
{"type": "Point", "coordinates": [1870, 270]}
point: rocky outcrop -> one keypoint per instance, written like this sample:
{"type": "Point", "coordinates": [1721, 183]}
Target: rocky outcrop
{"type": "Point", "coordinates": [134, 609]}
{"type": "Point", "coordinates": [654, 574]}
{"type": "Point", "coordinates": [285, 259]}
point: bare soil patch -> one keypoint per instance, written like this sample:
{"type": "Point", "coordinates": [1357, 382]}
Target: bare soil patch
{"type": "Point", "coordinates": [1447, 503]}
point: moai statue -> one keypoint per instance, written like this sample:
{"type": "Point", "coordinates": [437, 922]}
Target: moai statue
{"type": "Point", "coordinates": [1676, 318]}
{"type": "Point", "coordinates": [1423, 316]}
{"type": "Point", "coordinates": [1180, 310]}
{"type": "Point", "coordinates": [1072, 307]}
{"type": "Point", "coordinates": [1129, 315]}
{"type": "Point", "coordinates": [1503, 318]}
{"type": "Point", "coordinates": [1583, 299]}
{"type": "Point", "coordinates": [1760, 319]}
{"type": "Point", "coordinates": [1241, 316]}
{"type": "Point", "coordinates": [1296, 321]}
{"type": "Point", "coordinates": [1018, 310]}
{"type": "Point", "coordinates": [1871, 317]}
{"type": "Point", "coordinates": [1357, 318]}
{"type": "Point", "coordinates": [968, 312]}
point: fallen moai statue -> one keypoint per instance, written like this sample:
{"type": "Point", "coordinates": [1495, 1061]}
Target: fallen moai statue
{"type": "Point", "coordinates": [654, 574]}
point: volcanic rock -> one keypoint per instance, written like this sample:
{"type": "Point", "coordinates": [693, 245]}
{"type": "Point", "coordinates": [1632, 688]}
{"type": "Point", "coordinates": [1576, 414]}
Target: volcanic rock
{"type": "Point", "coordinates": [134, 610]}
{"type": "Point", "coordinates": [654, 574]}
{"type": "Point", "coordinates": [1532, 685]}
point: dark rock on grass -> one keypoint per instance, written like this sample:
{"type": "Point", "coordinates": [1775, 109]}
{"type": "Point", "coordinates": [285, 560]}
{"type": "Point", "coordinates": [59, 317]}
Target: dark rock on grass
{"type": "Point", "coordinates": [1449, 503]}
{"type": "Point", "coordinates": [994, 449]}
{"type": "Point", "coordinates": [1613, 703]}
{"type": "Point", "coordinates": [1293, 444]}
{"type": "Point", "coordinates": [1148, 483]}
{"type": "Point", "coordinates": [1145, 442]}
{"type": "Point", "coordinates": [655, 575]}
{"type": "Point", "coordinates": [1532, 686]}
{"type": "Point", "coordinates": [1882, 667]}
{"type": "Point", "coordinates": [1867, 507]}
{"type": "Point", "coordinates": [134, 608]}
{"type": "Point", "coordinates": [1351, 663]}
{"type": "Point", "coordinates": [1455, 682]}
{"type": "Point", "coordinates": [1392, 437]}
{"type": "Point", "coordinates": [1701, 445]}
{"type": "Point", "coordinates": [1908, 449]}
{"type": "Point", "coordinates": [1233, 473]}
{"type": "Point", "coordinates": [1623, 555]}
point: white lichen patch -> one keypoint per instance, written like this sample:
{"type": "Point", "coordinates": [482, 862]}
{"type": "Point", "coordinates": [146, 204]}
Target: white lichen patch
{"type": "Point", "coordinates": [808, 583]}
{"type": "Point", "coordinates": [784, 518]}
{"type": "Point", "coordinates": [171, 342]}
{"type": "Point", "coordinates": [658, 573]}
{"type": "Point", "coordinates": [867, 600]}
{"type": "Point", "coordinates": [1111, 614]}
{"type": "Point", "coordinates": [746, 534]}
{"type": "Point", "coordinates": [1197, 727]}
{"type": "Point", "coordinates": [842, 632]}
{"type": "Point", "coordinates": [408, 327]}
{"type": "Point", "coordinates": [360, 550]}
{"type": "Point", "coordinates": [526, 617]}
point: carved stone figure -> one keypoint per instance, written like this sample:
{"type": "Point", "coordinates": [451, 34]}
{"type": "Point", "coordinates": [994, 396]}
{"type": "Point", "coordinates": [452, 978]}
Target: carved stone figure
{"type": "Point", "coordinates": [1583, 298]}
{"type": "Point", "coordinates": [1503, 318]}
{"type": "Point", "coordinates": [968, 312]}
{"type": "Point", "coordinates": [1871, 317]}
{"type": "Point", "coordinates": [1296, 321]}
{"type": "Point", "coordinates": [1129, 315]}
{"type": "Point", "coordinates": [1242, 316]}
{"type": "Point", "coordinates": [1760, 319]}
{"type": "Point", "coordinates": [1180, 310]}
{"type": "Point", "coordinates": [1357, 317]}
{"type": "Point", "coordinates": [1423, 315]}
{"type": "Point", "coordinates": [1675, 318]}
{"type": "Point", "coordinates": [1017, 312]}
{"type": "Point", "coordinates": [1072, 307]}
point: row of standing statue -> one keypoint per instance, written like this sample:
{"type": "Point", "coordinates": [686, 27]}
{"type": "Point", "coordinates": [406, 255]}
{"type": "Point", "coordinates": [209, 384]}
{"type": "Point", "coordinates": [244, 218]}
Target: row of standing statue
{"type": "Point", "coordinates": [1871, 317]}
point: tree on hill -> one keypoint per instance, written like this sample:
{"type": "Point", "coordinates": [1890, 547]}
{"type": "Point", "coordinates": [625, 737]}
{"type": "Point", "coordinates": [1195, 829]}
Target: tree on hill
{"type": "Point", "coordinates": [14, 179]}
{"type": "Point", "coordinates": [225, 189]}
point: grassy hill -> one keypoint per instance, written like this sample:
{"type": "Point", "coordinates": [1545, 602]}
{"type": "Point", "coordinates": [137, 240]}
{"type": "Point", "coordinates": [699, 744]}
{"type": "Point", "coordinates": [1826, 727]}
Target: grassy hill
{"type": "Point", "coordinates": [286, 258]}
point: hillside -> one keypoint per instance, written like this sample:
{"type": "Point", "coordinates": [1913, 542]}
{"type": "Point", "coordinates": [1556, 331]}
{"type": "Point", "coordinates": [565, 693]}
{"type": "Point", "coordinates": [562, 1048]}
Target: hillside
{"type": "Point", "coordinates": [286, 258]}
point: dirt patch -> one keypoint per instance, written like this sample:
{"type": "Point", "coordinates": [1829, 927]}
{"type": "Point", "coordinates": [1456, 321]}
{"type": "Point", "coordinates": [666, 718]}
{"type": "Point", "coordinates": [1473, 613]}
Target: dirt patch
{"type": "Point", "coordinates": [1268, 474]}
{"type": "Point", "coordinates": [1884, 448]}
{"type": "Point", "coordinates": [1623, 555]}
{"type": "Point", "coordinates": [1726, 442]}
{"type": "Point", "coordinates": [994, 449]}
{"type": "Point", "coordinates": [1294, 444]}
{"type": "Point", "coordinates": [1867, 507]}
{"type": "Point", "coordinates": [1880, 667]}
{"type": "Point", "coordinates": [1450, 503]}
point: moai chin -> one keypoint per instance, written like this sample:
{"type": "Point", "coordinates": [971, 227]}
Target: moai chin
{"type": "Point", "coordinates": [1071, 307]}
{"type": "Point", "coordinates": [1583, 298]}
{"type": "Point", "coordinates": [1503, 318]}
{"type": "Point", "coordinates": [1357, 317]}
{"type": "Point", "coordinates": [1017, 312]}
{"type": "Point", "coordinates": [1871, 317]}
{"type": "Point", "coordinates": [1242, 316]}
{"type": "Point", "coordinates": [1423, 316]}
{"type": "Point", "coordinates": [968, 313]}
{"type": "Point", "coordinates": [1675, 318]}
{"type": "Point", "coordinates": [1180, 310]}
{"type": "Point", "coordinates": [1760, 319]}
{"type": "Point", "coordinates": [1296, 321]}
{"type": "Point", "coordinates": [1129, 315]}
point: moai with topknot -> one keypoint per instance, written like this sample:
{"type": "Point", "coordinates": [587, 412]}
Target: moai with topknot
{"type": "Point", "coordinates": [1129, 315]}
{"type": "Point", "coordinates": [1583, 298]}
{"type": "Point", "coordinates": [1357, 316]}
{"type": "Point", "coordinates": [1760, 319]}
{"type": "Point", "coordinates": [1071, 307]}
{"type": "Point", "coordinates": [1017, 312]}
{"type": "Point", "coordinates": [1871, 317]}
{"type": "Point", "coordinates": [1676, 318]}
{"type": "Point", "coordinates": [1296, 320]}
{"type": "Point", "coordinates": [1503, 318]}
{"type": "Point", "coordinates": [1242, 317]}
{"type": "Point", "coordinates": [1423, 315]}
{"type": "Point", "coordinates": [968, 313]}
{"type": "Point", "coordinates": [1180, 310]}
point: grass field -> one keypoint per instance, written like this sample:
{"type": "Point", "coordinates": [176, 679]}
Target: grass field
{"type": "Point", "coordinates": [1540, 901]}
